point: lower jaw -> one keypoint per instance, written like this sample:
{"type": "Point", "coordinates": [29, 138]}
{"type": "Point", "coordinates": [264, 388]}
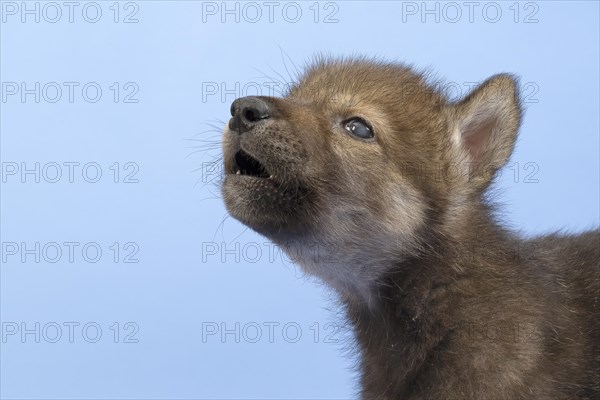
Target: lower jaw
{"type": "Point", "coordinates": [264, 204]}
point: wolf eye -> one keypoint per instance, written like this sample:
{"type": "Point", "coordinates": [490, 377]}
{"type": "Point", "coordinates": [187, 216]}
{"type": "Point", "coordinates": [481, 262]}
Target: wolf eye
{"type": "Point", "coordinates": [359, 128]}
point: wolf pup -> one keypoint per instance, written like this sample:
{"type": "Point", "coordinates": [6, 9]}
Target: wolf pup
{"type": "Point", "coordinates": [370, 162]}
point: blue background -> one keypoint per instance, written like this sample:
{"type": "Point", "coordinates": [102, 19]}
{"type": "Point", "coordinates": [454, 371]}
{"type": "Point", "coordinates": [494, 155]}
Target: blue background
{"type": "Point", "coordinates": [198, 270]}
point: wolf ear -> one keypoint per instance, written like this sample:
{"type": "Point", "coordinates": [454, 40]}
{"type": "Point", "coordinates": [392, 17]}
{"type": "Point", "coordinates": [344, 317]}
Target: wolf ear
{"type": "Point", "coordinates": [485, 124]}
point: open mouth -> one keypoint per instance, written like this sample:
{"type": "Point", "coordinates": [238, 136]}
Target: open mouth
{"type": "Point", "coordinates": [245, 164]}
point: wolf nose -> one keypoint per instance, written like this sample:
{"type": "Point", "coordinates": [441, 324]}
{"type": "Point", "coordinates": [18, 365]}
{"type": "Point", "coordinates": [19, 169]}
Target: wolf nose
{"type": "Point", "coordinates": [246, 112]}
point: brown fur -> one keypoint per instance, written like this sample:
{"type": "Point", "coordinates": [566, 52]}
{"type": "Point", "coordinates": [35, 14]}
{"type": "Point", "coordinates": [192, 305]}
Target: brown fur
{"type": "Point", "coordinates": [446, 303]}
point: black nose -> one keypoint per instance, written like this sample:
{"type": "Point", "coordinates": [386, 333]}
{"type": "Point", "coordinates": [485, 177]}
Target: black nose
{"type": "Point", "coordinates": [247, 112]}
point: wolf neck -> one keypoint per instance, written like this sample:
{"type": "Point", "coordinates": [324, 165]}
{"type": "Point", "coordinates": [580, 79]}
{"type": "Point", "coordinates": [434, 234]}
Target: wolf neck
{"type": "Point", "coordinates": [401, 299]}
{"type": "Point", "coordinates": [413, 306]}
